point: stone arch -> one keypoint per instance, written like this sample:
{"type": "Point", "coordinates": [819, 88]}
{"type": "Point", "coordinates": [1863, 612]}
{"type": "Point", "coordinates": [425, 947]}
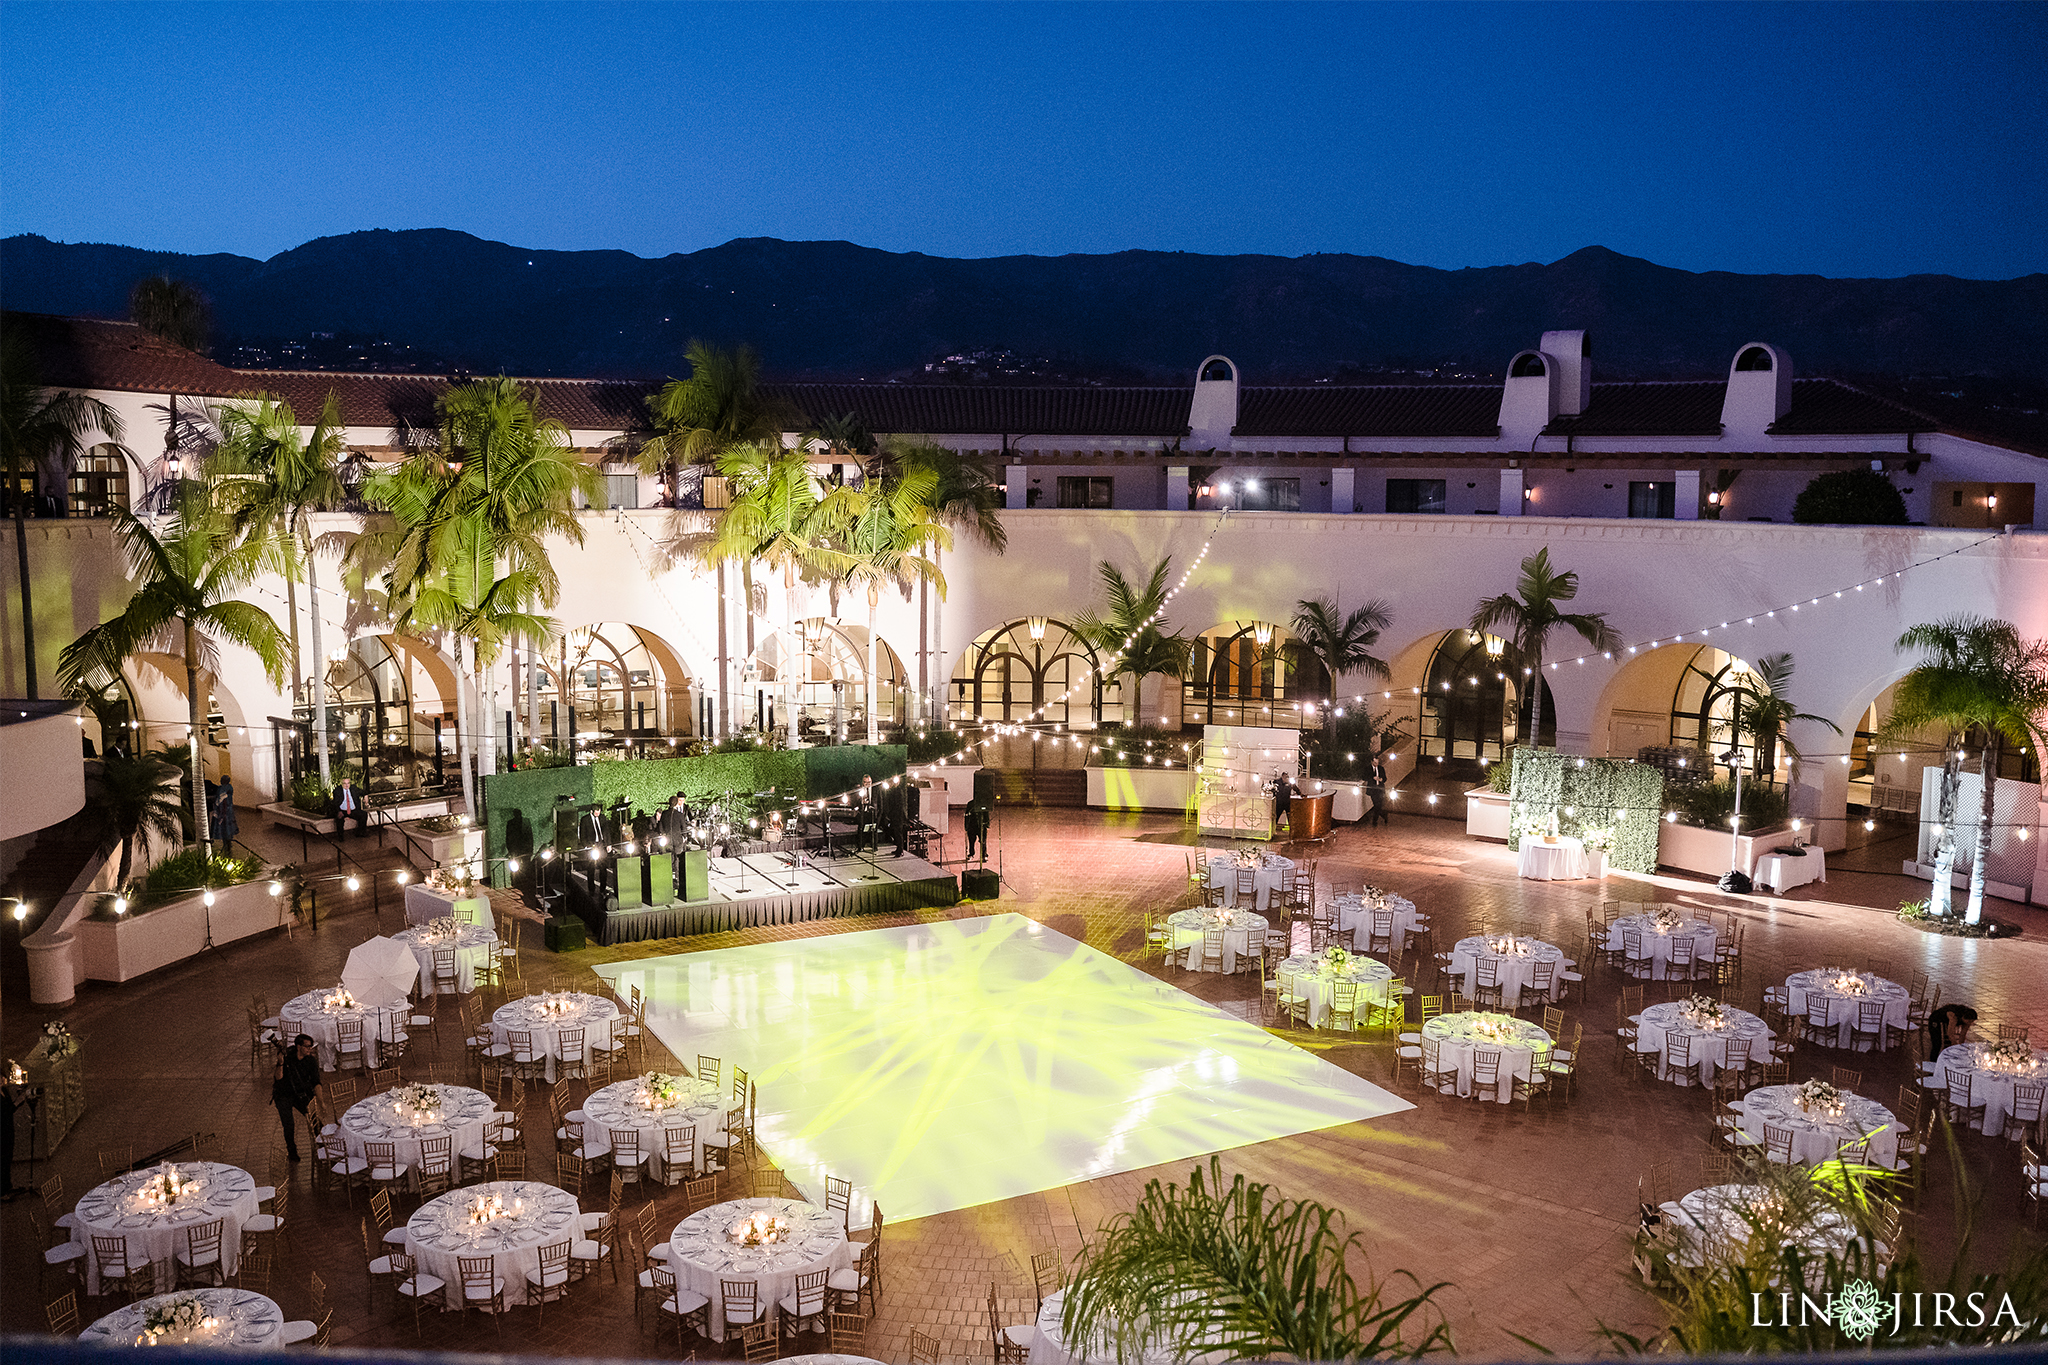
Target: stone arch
{"type": "Point", "coordinates": [1031, 667]}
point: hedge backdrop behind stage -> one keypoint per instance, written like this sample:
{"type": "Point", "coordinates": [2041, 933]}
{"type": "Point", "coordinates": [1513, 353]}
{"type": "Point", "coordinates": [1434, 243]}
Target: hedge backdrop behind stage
{"type": "Point", "coordinates": [1588, 794]}
{"type": "Point", "coordinates": [519, 807]}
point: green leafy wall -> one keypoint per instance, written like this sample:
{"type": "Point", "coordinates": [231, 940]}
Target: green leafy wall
{"type": "Point", "coordinates": [646, 784]}
{"type": "Point", "coordinates": [829, 771]}
{"type": "Point", "coordinates": [1600, 793]}
{"type": "Point", "coordinates": [527, 799]}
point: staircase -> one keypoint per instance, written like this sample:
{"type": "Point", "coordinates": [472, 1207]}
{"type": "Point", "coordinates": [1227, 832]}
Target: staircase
{"type": "Point", "coordinates": [1042, 786]}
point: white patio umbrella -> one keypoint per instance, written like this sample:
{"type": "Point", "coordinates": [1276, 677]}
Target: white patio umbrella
{"type": "Point", "coordinates": [380, 971]}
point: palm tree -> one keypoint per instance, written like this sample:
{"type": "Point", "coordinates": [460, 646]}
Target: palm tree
{"type": "Point", "coordinates": [1528, 615]}
{"type": "Point", "coordinates": [1767, 713]}
{"type": "Point", "coordinates": [1133, 632]}
{"type": "Point", "coordinates": [39, 429]}
{"type": "Point", "coordinates": [271, 478]}
{"type": "Point", "coordinates": [172, 309]}
{"type": "Point", "coordinates": [1983, 680]}
{"type": "Point", "coordinates": [967, 500]}
{"type": "Point", "coordinates": [134, 797]}
{"type": "Point", "coordinates": [888, 534]}
{"type": "Point", "coordinates": [1343, 644]}
{"type": "Point", "coordinates": [185, 603]}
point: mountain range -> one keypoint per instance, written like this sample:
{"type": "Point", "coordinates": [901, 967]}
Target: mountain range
{"type": "Point", "coordinates": [817, 310]}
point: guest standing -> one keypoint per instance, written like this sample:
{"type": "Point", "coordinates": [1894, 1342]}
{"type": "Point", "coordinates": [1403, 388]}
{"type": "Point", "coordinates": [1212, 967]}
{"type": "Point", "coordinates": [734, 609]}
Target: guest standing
{"type": "Point", "coordinates": [293, 1086]}
{"type": "Point", "coordinates": [225, 825]}
{"type": "Point", "coordinates": [1376, 788]}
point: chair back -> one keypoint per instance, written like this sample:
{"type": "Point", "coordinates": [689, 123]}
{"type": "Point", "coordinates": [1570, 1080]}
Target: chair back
{"type": "Point", "coordinates": [349, 1035]}
{"type": "Point", "coordinates": [1678, 1049]}
{"type": "Point", "coordinates": [707, 1068]}
{"type": "Point", "coordinates": [701, 1193]}
{"type": "Point", "coordinates": [569, 1044]}
{"type": "Point", "coordinates": [521, 1042]}
{"type": "Point", "coordinates": [1485, 1067]}
{"type": "Point", "coordinates": [679, 1145]}
{"type": "Point", "coordinates": [1778, 1143]}
{"type": "Point", "coordinates": [810, 1292]}
{"type": "Point", "coordinates": [202, 1242]}
{"type": "Point", "coordinates": [738, 1297]}
{"type": "Point", "coordinates": [478, 1273]}
{"type": "Point", "coordinates": [112, 1255]}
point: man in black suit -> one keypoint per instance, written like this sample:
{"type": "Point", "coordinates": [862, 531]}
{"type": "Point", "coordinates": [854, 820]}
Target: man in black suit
{"type": "Point", "coordinates": [592, 828]}
{"type": "Point", "coordinates": [675, 823]}
{"type": "Point", "coordinates": [346, 804]}
{"type": "Point", "coordinates": [1376, 789]}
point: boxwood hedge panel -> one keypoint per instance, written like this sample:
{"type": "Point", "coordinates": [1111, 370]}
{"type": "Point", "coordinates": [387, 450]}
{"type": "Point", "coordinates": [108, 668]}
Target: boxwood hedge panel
{"type": "Point", "coordinates": [519, 810]}
{"type": "Point", "coordinates": [829, 771]}
{"type": "Point", "coordinates": [1599, 793]}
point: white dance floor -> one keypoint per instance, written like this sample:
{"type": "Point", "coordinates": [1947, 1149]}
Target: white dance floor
{"type": "Point", "coordinates": [945, 1065]}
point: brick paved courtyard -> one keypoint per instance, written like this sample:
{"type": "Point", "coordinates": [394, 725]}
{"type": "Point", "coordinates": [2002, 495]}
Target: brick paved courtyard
{"type": "Point", "coordinates": [1528, 1215]}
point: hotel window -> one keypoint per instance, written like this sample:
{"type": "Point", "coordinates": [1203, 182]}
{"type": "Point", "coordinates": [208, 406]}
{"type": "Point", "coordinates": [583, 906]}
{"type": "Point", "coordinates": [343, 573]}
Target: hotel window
{"type": "Point", "coordinates": [1087, 492]}
{"type": "Point", "coordinates": [99, 481]}
{"type": "Point", "coordinates": [1652, 499]}
{"type": "Point", "coordinates": [622, 490]}
{"type": "Point", "coordinates": [1271, 495]}
{"type": "Point", "coordinates": [1415, 495]}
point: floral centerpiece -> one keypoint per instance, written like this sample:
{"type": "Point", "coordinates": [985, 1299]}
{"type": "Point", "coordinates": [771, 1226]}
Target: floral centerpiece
{"type": "Point", "coordinates": [759, 1229]}
{"type": "Point", "coordinates": [444, 928]}
{"type": "Point", "coordinates": [1600, 840]}
{"type": "Point", "coordinates": [1493, 1028]}
{"type": "Point", "coordinates": [1844, 981]}
{"type": "Point", "coordinates": [417, 1101]}
{"type": "Point", "coordinates": [1821, 1098]}
{"type": "Point", "coordinates": [1536, 827]}
{"type": "Point", "coordinates": [1335, 959]}
{"type": "Point", "coordinates": [166, 1187]}
{"type": "Point", "coordinates": [181, 1318]}
{"type": "Point", "coordinates": [1703, 1011]}
{"type": "Point", "coordinates": [660, 1090]}
{"type": "Point", "coordinates": [56, 1041]}
{"type": "Point", "coordinates": [340, 998]}
{"type": "Point", "coordinates": [1666, 920]}
{"type": "Point", "coordinates": [2010, 1054]}
{"type": "Point", "coordinates": [489, 1208]}
{"type": "Point", "coordinates": [1377, 896]}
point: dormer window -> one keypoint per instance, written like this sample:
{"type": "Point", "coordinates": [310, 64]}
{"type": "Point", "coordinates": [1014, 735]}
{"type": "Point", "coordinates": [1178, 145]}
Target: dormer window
{"type": "Point", "coordinates": [1755, 358]}
{"type": "Point", "coordinates": [1216, 371]}
{"type": "Point", "coordinates": [1528, 365]}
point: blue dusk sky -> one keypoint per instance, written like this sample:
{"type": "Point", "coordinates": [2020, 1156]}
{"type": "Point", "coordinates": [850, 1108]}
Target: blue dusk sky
{"type": "Point", "coordinates": [1839, 139]}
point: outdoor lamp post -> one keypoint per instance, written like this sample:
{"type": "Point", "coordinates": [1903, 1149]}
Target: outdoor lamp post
{"type": "Point", "coordinates": [1735, 879]}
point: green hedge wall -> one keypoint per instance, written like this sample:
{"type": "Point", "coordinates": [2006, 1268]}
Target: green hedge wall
{"type": "Point", "coordinates": [1600, 792]}
{"type": "Point", "coordinates": [646, 784]}
{"type": "Point", "coordinates": [519, 810]}
{"type": "Point", "coordinates": [840, 767]}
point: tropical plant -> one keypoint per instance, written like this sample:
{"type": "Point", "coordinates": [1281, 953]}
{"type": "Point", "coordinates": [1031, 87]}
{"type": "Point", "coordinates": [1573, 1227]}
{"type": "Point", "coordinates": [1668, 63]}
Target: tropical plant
{"type": "Point", "coordinates": [1234, 1272]}
{"type": "Point", "coordinates": [184, 604]}
{"type": "Point", "coordinates": [1988, 686]}
{"type": "Point", "coordinates": [192, 870]}
{"type": "Point", "coordinates": [1766, 713]}
{"type": "Point", "coordinates": [1529, 614]}
{"type": "Point", "coordinates": [1710, 805]}
{"type": "Point", "coordinates": [39, 429]}
{"type": "Point", "coordinates": [1346, 745]}
{"type": "Point", "coordinates": [133, 798]}
{"type": "Point", "coordinates": [1133, 633]}
{"type": "Point", "coordinates": [1342, 643]}
{"type": "Point", "coordinates": [172, 309]}
{"type": "Point", "coordinates": [1849, 497]}
{"type": "Point", "coordinates": [969, 502]}
{"type": "Point", "coordinates": [718, 407]}
{"type": "Point", "coordinates": [890, 537]}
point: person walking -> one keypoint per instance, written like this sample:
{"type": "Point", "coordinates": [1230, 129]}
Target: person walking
{"type": "Point", "coordinates": [1376, 788]}
{"type": "Point", "coordinates": [293, 1086]}
{"type": "Point", "coordinates": [225, 825]}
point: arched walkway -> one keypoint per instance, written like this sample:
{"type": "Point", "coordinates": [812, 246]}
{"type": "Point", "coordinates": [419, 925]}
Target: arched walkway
{"type": "Point", "coordinates": [1029, 666]}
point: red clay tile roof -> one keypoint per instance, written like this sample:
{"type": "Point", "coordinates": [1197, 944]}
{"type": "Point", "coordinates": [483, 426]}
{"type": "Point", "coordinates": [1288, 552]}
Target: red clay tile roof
{"type": "Point", "coordinates": [400, 400]}
{"type": "Point", "coordinates": [1828, 407]}
{"type": "Point", "coordinates": [84, 353]}
{"type": "Point", "coordinates": [1023, 412]}
{"type": "Point", "coordinates": [1382, 410]}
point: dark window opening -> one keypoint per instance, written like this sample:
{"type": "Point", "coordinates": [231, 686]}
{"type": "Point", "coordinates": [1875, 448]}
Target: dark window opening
{"type": "Point", "coordinates": [1415, 495]}
{"type": "Point", "coordinates": [1755, 358]}
{"type": "Point", "coordinates": [1271, 495]}
{"type": "Point", "coordinates": [1217, 370]}
{"type": "Point", "coordinates": [1087, 492]}
{"type": "Point", "coordinates": [1652, 499]}
{"type": "Point", "coordinates": [1528, 365]}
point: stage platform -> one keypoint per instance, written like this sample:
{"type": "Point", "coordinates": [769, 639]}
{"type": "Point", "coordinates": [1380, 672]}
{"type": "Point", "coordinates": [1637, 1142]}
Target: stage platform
{"type": "Point", "coordinates": [769, 888]}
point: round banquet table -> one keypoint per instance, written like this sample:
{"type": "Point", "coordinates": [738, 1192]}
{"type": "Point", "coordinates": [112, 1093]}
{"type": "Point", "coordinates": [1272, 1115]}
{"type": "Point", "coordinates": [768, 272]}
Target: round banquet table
{"type": "Point", "coordinates": [439, 1234]}
{"type": "Point", "coordinates": [1657, 942]}
{"type": "Point", "coordinates": [1658, 1024]}
{"type": "Point", "coordinates": [1816, 1138]}
{"type": "Point", "coordinates": [247, 1322]}
{"type": "Point", "coordinates": [425, 904]}
{"type": "Point", "coordinates": [1990, 1086]}
{"type": "Point", "coordinates": [156, 1235]}
{"type": "Point", "coordinates": [1354, 914]}
{"type": "Point", "coordinates": [1049, 1346]}
{"type": "Point", "coordinates": [1307, 972]}
{"type": "Point", "coordinates": [1723, 1216]}
{"type": "Point", "coordinates": [1266, 879]}
{"type": "Point", "coordinates": [615, 1106]}
{"type": "Point", "coordinates": [592, 1013]}
{"type": "Point", "coordinates": [826, 1360]}
{"type": "Point", "coordinates": [305, 1014]}
{"type": "Point", "coordinates": [474, 947]}
{"type": "Point", "coordinates": [1517, 968]}
{"type": "Point", "coordinates": [462, 1117]}
{"type": "Point", "coordinates": [1243, 932]}
{"type": "Point", "coordinates": [1563, 861]}
{"type": "Point", "coordinates": [1843, 1005]}
{"type": "Point", "coordinates": [1458, 1038]}
{"type": "Point", "coordinates": [701, 1255]}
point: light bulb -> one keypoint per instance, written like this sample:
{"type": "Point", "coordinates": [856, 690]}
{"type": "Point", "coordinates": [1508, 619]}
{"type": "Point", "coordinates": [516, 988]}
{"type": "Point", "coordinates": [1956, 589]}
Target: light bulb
{"type": "Point", "coordinates": [208, 898]}
{"type": "Point", "coordinates": [276, 887]}
{"type": "Point", "coordinates": [355, 883]}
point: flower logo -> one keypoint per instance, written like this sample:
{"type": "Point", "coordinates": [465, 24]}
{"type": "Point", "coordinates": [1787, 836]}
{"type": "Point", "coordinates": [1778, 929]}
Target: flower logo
{"type": "Point", "coordinates": [1859, 1309]}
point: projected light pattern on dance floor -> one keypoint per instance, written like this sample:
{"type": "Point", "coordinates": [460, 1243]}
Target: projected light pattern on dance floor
{"type": "Point", "coordinates": [944, 1065]}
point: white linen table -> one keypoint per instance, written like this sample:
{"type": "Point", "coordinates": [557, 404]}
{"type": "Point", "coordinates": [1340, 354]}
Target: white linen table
{"type": "Point", "coordinates": [308, 1014]}
{"type": "Point", "coordinates": [1657, 942]}
{"type": "Point", "coordinates": [461, 1117]}
{"type": "Point", "coordinates": [1268, 877]}
{"type": "Point", "coordinates": [1724, 1216]}
{"type": "Point", "coordinates": [1049, 1346]}
{"type": "Point", "coordinates": [156, 1234]}
{"type": "Point", "coordinates": [1845, 1000]}
{"type": "Point", "coordinates": [1781, 872]}
{"type": "Point", "coordinates": [439, 1234]}
{"type": "Point", "coordinates": [1658, 1024]}
{"type": "Point", "coordinates": [1313, 977]}
{"type": "Point", "coordinates": [701, 1254]}
{"type": "Point", "coordinates": [1517, 965]}
{"type": "Point", "coordinates": [1817, 1137]}
{"type": "Point", "coordinates": [617, 1106]}
{"type": "Point", "coordinates": [1563, 861]}
{"type": "Point", "coordinates": [425, 904]}
{"type": "Point", "coordinates": [243, 1321]}
{"type": "Point", "coordinates": [1991, 1086]}
{"type": "Point", "coordinates": [1520, 1044]}
{"type": "Point", "coordinates": [1355, 913]}
{"type": "Point", "coordinates": [474, 947]}
{"type": "Point", "coordinates": [826, 1360]}
{"type": "Point", "coordinates": [545, 1016]}
{"type": "Point", "coordinates": [1242, 933]}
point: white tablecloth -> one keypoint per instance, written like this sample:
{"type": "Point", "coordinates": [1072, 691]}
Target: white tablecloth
{"type": "Point", "coordinates": [1050, 1347]}
{"type": "Point", "coordinates": [303, 1014]}
{"type": "Point", "coordinates": [1563, 861]}
{"type": "Point", "coordinates": [1266, 880]}
{"type": "Point", "coordinates": [156, 1236]}
{"type": "Point", "coordinates": [614, 1106]}
{"type": "Point", "coordinates": [702, 1255]}
{"type": "Point", "coordinates": [1988, 1087]}
{"type": "Point", "coordinates": [1355, 915]}
{"type": "Point", "coordinates": [1660, 1023]}
{"type": "Point", "coordinates": [1781, 873]}
{"type": "Point", "coordinates": [1458, 1038]}
{"type": "Point", "coordinates": [1517, 969]}
{"type": "Point", "coordinates": [1703, 935]}
{"type": "Point", "coordinates": [462, 1117]}
{"type": "Point", "coordinates": [592, 1013]}
{"type": "Point", "coordinates": [247, 1322]}
{"type": "Point", "coordinates": [474, 946]}
{"type": "Point", "coordinates": [1816, 1138]}
{"type": "Point", "coordinates": [424, 905]}
{"type": "Point", "coordinates": [1719, 1217]}
{"type": "Point", "coordinates": [1844, 1007]}
{"type": "Point", "coordinates": [1244, 933]}
{"type": "Point", "coordinates": [1307, 976]}
{"type": "Point", "coordinates": [440, 1234]}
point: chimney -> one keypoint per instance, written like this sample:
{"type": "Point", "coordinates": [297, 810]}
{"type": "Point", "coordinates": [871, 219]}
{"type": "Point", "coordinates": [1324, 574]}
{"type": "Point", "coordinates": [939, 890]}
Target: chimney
{"type": "Point", "coordinates": [1529, 398]}
{"type": "Point", "coordinates": [1759, 391]}
{"type": "Point", "coordinates": [1212, 416]}
{"type": "Point", "coordinates": [1571, 356]}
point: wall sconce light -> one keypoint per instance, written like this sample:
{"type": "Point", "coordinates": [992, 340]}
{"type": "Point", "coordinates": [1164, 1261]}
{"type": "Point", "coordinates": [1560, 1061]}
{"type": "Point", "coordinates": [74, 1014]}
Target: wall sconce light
{"type": "Point", "coordinates": [1262, 631]}
{"type": "Point", "coordinates": [1036, 625]}
{"type": "Point", "coordinates": [1714, 499]}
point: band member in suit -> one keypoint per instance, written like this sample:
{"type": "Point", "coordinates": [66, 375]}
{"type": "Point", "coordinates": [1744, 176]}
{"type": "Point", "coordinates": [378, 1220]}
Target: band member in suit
{"type": "Point", "coordinates": [1376, 788]}
{"type": "Point", "coordinates": [593, 828]}
{"type": "Point", "coordinates": [976, 823]}
{"type": "Point", "coordinates": [865, 816]}
{"type": "Point", "coordinates": [675, 822]}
